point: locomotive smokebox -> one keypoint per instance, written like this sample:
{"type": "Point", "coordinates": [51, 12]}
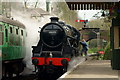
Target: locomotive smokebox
{"type": "Point", "coordinates": [54, 19]}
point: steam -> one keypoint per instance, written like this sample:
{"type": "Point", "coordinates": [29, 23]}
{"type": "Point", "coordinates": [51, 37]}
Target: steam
{"type": "Point", "coordinates": [32, 27]}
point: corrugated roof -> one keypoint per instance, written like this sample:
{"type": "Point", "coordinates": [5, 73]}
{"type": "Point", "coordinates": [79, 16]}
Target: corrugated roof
{"type": "Point", "coordinates": [92, 5]}
{"type": "Point", "coordinates": [92, 0]}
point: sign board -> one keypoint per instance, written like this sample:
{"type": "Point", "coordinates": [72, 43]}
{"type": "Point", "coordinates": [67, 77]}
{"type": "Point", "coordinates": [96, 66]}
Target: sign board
{"type": "Point", "coordinates": [101, 52]}
{"type": "Point", "coordinates": [83, 21]}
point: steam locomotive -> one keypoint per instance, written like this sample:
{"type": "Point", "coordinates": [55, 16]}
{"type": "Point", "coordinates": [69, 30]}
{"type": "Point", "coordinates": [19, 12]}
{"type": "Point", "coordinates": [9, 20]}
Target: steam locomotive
{"type": "Point", "coordinates": [57, 45]}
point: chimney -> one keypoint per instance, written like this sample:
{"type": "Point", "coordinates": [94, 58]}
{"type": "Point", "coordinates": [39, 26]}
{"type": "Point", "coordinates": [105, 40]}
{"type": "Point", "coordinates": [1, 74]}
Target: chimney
{"type": "Point", "coordinates": [54, 19]}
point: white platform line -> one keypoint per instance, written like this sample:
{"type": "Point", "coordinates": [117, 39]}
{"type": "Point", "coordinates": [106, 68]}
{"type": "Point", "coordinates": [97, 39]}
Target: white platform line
{"type": "Point", "coordinates": [68, 72]}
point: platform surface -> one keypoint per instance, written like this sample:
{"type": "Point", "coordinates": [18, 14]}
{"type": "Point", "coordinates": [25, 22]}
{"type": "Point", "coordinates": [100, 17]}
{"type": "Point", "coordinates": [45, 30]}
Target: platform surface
{"type": "Point", "coordinates": [93, 70]}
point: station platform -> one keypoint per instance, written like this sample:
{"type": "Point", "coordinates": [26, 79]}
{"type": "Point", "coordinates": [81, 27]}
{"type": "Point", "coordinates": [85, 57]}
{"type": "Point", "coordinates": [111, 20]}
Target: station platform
{"type": "Point", "coordinates": [93, 70]}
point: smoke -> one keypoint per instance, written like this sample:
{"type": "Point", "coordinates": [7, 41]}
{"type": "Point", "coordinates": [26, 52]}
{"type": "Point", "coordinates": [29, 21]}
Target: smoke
{"type": "Point", "coordinates": [32, 27]}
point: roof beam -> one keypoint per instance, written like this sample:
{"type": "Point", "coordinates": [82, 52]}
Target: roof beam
{"type": "Point", "coordinates": [91, 5]}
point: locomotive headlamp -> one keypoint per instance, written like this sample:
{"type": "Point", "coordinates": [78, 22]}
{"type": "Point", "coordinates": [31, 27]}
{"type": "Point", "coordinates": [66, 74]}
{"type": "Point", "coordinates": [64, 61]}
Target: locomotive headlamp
{"type": "Point", "coordinates": [35, 61]}
{"type": "Point", "coordinates": [64, 62]}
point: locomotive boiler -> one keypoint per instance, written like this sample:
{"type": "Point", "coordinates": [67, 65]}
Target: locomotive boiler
{"type": "Point", "coordinates": [57, 45]}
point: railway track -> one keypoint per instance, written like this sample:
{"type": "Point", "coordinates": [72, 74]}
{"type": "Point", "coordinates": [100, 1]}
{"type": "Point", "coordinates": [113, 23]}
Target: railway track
{"type": "Point", "coordinates": [34, 77]}
{"type": "Point", "coordinates": [74, 62]}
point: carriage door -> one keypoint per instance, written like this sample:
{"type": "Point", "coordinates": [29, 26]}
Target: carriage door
{"type": "Point", "coordinates": [6, 35]}
{"type": "Point", "coordinates": [17, 36]}
{"type": "Point", "coordinates": [21, 37]}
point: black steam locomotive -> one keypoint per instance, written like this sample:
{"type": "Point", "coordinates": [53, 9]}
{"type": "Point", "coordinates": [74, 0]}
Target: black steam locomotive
{"type": "Point", "coordinates": [57, 45]}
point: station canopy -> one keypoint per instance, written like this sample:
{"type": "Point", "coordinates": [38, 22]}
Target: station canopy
{"type": "Point", "coordinates": [92, 4]}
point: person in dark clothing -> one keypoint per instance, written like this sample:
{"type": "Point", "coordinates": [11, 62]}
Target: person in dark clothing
{"type": "Point", "coordinates": [85, 47]}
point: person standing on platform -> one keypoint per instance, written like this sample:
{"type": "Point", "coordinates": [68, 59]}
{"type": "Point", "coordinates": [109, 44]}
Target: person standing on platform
{"type": "Point", "coordinates": [84, 47]}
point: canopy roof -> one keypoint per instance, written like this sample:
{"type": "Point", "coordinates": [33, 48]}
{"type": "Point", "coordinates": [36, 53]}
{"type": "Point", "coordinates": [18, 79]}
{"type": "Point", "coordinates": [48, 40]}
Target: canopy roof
{"type": "Point", "coordinates": [92, 4]}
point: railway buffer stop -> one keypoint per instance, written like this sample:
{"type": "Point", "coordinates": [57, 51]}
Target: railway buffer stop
{"type": "Point", "coordinates": [111, 5]}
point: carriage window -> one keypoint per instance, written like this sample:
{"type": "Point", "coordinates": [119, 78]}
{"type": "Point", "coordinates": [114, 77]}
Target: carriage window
{"type": "Point", "coordinates": [17, 31]}
{"type": "Point", "coordinates": [22, 32]}
{"type": "Point", "coordinates": [10, 29]}
{"type": "Point", "coordinates": [6, 35]}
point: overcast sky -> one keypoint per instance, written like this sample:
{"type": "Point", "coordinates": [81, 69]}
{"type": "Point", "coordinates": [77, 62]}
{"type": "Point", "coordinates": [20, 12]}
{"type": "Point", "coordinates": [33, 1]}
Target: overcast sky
{"type": "Point", "coordinates": [88, 14]}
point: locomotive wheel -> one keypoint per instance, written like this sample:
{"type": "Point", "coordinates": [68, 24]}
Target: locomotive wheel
{"type": "Point", "coordinates": [10, 74]}
{"type": "Point", "coordinates": [7, 71]}
{"type": "Point", "coordinates": [65, 69]}
{"type": "Point", "coordinates": [76, 52]}
{"type": "Point", "coordinates": [18, 68]}
{"type": "Point", "coordinates": [4, 72]}
{"type": "Point", "coordinates": [40, 73]}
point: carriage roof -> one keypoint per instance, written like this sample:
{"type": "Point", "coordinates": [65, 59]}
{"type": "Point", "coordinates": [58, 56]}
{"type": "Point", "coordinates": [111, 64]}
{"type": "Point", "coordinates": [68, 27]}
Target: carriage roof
{"type": "Point", "coordinates": [12, 22]}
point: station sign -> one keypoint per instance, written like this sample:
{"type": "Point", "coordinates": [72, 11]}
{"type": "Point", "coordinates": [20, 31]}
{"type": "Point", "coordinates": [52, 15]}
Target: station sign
{"type": "Point", "coordinates": [101, 52]}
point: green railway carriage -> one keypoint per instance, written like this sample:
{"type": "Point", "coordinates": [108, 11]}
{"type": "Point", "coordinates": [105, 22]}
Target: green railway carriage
{"type": "Point", "coordinates": [12, 45]}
